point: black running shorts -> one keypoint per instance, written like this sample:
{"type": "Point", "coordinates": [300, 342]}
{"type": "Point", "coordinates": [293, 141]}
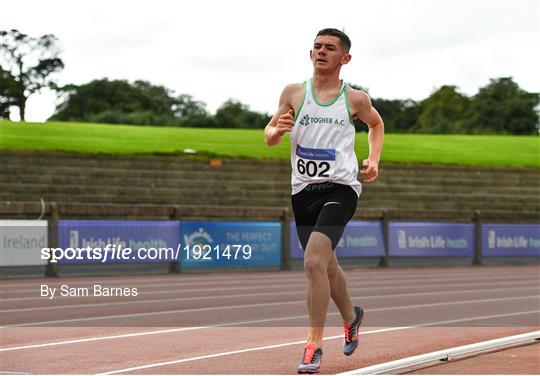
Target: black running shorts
{"type": "Point", "coordinates": [323, 207]}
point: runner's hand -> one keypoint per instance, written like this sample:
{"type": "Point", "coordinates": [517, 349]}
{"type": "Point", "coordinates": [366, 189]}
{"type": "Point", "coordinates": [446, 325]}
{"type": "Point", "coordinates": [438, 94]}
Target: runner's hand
{"type": "Point", "coordinates": [285, 123]}
{"type": "Point", "coordinates": [370, 170]}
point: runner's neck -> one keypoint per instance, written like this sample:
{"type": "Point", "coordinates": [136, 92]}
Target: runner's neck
{"type": "Point", "coordinates": [326, 86]}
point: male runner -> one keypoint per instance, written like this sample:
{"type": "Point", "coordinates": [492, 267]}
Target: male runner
{"type": "Point", "coordinates": [318, 114]}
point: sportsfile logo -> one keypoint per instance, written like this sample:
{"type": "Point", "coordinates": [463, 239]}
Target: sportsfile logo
{"type": "Point", "coordinates": [307, 120]}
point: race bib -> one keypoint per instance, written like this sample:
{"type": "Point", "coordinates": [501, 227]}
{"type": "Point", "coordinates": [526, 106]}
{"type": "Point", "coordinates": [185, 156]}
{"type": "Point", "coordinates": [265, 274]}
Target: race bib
{"type": "Point", "coordinates": [316, 164]}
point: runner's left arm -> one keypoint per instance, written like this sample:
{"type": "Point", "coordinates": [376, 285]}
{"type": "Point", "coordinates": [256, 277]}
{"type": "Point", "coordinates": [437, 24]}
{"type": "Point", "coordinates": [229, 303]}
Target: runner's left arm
{"type": "Point", "coordinates": [369, 115]}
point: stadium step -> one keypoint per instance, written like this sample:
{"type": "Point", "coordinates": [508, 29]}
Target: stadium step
{"type": "Point", "coordinates": [149, 177]}
{"type": "Point", "coordinates": [66, 177]}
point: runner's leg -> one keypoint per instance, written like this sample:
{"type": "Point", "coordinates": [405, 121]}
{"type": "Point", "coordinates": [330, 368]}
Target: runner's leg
{"type": "Point", "coordinates": [338, 290]}
{"type": "Point", "coordinates": [316, 258]}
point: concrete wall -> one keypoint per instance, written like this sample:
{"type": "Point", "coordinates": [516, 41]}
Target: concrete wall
{"type": "Point", "coordinates": [168, 180]}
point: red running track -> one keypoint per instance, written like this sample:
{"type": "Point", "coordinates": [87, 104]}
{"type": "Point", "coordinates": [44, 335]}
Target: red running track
{"type": "Point", "coordinates": [255, 323]}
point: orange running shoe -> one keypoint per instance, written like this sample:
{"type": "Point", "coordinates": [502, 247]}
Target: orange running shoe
{"type": "Point", "coordinates": [311, 363]}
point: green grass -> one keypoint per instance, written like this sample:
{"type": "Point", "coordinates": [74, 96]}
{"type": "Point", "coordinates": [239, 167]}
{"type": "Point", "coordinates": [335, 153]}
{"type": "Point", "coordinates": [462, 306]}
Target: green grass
{"type": "Point", "coordinates": [518, 151]}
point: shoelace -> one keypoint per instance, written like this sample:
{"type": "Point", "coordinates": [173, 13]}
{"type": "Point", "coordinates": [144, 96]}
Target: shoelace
{"type": "Point", "coordinates": [309, 353]}
{"type": "Point", "coordinates": [349, 332]}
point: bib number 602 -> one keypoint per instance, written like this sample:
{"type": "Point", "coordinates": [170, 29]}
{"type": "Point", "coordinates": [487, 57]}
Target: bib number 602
{"type": "Point", "coordinates": [311, 168]}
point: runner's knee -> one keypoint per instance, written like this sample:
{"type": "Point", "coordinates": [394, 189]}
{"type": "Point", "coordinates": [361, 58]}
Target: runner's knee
{"type": "Point", "coordinates": [314, 266]}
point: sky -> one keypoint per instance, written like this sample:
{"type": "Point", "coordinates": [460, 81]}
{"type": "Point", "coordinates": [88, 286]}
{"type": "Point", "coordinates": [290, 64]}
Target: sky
{"type": "Point", "coordinates": [249, 50]}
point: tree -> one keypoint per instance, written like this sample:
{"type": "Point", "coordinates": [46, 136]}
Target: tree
{"type": "Point", "coordinates": [122, 102]}
{"type": "Point", "coordinates": [408, 116]}
{"type": "Point", "coordinates": [503, 107]}
{"type": "Point", "coordinates": [442, 112]}
{"type": "Point", "coordinates": [398, 115]}
{"type": "Point", "coordinates": [8, 90]}
{"type": "Point", "coordinates": [192, 113]}
{"type": "Point", "coordinates": [30, 61]}
{"type": "Point", "coordinates": [233, 114]}
{"type": "Point", "coordinates": [117, 101]}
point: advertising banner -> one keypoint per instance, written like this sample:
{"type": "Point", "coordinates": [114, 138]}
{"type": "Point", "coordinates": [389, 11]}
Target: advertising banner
{"type": "Point", "coordinates": [359, 239]}
{"type": "Point", "coordinates": [431, 239]}
{"type": "Point", "coordinates": [21, 242]}
{"type": "Point", "coordinates": [230, 244]}
{"type": "Point", "coordinates": [106, 241]}
{"type": "Point", "coordinates": [511, 239]}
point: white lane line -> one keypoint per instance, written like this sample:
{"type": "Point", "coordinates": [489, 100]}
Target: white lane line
{"type": "Point", "coordinates": [256, 305]}
{"type": "Point", "coordinates": [150, 285]}
{"type": "Point", "coordinates": [215, 355]}
{"type": "Point", "coordinates": [414, 362]}
{"type": "Point", "coordinates": [194, 298]}
{"type": "Point", "coordinates": [247, 277]}
{"type": "Point", "coordinates": [193, 278]}
{"type": "Point", "coordinates": [235, 323]}
{"type": "Point", "coordinates": [272, 286]}
{"type": "Point", "coordinates": [178, 361]}
{"type": "Point", "coordinates": [138, 334]}
{"type": "Point", "coordinates": [352, 278]}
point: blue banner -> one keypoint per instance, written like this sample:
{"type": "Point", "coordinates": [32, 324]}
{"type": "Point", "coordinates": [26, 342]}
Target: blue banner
{"type": "Point", "coordinates": [511, 239]}
{"type": "Point", "coordinates": [359, 239]}
{"type": "Point", "coordinates": [230, 244]}
{"type": "Point", "coordinates": [316, 154]}
{"type": "Point", "coordinates": [430, 239]}
{"type": "Point", "coordinates": [97, 241]}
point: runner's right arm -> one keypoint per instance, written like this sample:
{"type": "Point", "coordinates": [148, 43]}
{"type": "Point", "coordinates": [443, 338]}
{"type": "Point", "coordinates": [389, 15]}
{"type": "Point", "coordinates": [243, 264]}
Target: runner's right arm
{"type": "Point", "coordinates": [283, 119]}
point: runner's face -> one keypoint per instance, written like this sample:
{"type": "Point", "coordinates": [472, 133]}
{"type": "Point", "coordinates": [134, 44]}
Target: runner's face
{"type": "Point", "coordinates": [327, 53]}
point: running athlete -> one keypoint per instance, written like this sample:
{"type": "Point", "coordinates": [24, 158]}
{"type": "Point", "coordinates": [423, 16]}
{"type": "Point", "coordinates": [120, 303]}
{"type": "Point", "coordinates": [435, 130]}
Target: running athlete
{"type": "Point", "coordinates": [325, 188]}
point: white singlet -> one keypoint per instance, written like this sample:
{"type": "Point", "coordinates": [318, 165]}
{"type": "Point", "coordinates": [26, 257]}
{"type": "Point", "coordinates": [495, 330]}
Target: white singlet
{"type": "Point", "coordinates": [322, 142]}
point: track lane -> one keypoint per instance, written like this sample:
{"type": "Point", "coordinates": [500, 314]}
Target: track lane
{"type": "Point", "coordinates": [505, 296]}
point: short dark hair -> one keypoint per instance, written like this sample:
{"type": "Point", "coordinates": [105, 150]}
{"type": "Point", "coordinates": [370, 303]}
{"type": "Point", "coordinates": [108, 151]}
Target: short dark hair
{"type": "Point", "coordinates": [345, 41]}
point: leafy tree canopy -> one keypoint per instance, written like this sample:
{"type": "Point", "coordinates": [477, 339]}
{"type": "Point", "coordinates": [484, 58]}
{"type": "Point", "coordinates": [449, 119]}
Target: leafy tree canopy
{"type": "Point", "coordinates": [30, 62]}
